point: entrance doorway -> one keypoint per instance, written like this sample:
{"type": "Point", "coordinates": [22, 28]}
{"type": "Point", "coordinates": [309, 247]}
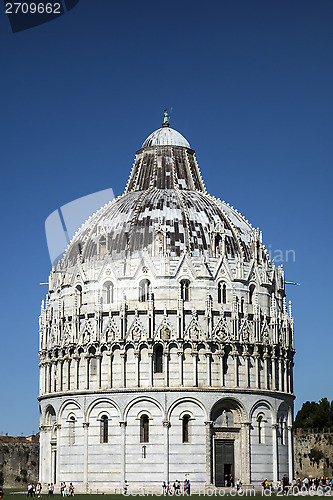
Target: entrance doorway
{"type": "Point", "coordinates": [224, 461]}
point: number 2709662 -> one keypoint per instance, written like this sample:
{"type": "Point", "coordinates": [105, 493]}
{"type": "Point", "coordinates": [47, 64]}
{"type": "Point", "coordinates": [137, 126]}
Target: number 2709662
{"type": "Point", "coordinates": [32, 8]}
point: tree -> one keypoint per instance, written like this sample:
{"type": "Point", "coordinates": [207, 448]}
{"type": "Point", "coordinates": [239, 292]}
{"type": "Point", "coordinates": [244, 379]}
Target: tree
{"type": "Point", "coordinates": [314, 415]}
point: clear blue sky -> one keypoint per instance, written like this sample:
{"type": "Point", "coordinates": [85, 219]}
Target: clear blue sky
{"type": "Point", "coordinates": [250, 83]}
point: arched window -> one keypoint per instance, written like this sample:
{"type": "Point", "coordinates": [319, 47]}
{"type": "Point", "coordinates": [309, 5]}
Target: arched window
{"type": "Point", "coordinates": [104, 429]}
{"type": "Point", "coordinates": [79, 292]}
{"type": "Point", "coordinates": [282, 429]}
{"type": "Point", "coordinates": [144, 290]}
{"type": "Point", "coordinates": [222, 293]}
{"type": "Point", "coordinates": [144, 451]}
{"type": "Point", "coordinates": [185, 290]}
{"type": "Point", "coordinates": [218, 245]}
{"type": "Point", "coordinates": [108, 292]}
{"type": "Point", "coordinates": [186, 431]}
{"type": "Point", "coordinates": [261, 436]}
{"type": "Point", "coordinates": [158, 359]}
{"type": "Point", "coordinates": [251, 292]}
{"type": "Point", "coordinates": [71, 429]}
{"type": "Point", "coordinates": [144, 429]}
{"type": "Point", "coordinates": [102, 247]}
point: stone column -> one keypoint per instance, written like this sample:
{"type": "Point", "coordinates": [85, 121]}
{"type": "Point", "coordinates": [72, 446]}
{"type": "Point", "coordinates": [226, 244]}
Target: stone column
{"type": "Point", "coordinates": [220, 355]}
{"type": "Point", "coordinates": [67, 380]}
{"type": "Point", "coordinates": [246, 468]}
{"type": "Point", "coordinates": [290, 452]}
{"type": "Point", "coordinates": [86, 383]}
{"type": "Point", "coordinates": [166, 368]}
{"type": "Point", "coordinates": [256, 356]}
{"type": "Point", "coordinates": [110, 354]}
{"type": "Point", "coordinates": [123, 368]}
{"type": "Point", "coordinates": [273, 372]}
{"type": "Point", "coordinates": [275, 452]}
{"type": "Point", "coordinates": [246, 357]}
{"type": "Point", "coordinates": [85, 455]}
{"type": "Point", "coordinates": [58, 448]}
{"type": "Point", "coordinates": [235, 357]}
{"type": "Point", "coordinates": [194, 355]}
{"type": "Point", "coordinates": [151, 368]}
{"type": "Point", "coordinates": [209, 444]}
{"type": "Point", "coordinates": [41, 378]}
{"type": "Point", "coordinates": [208, 368]}
{"type": "Point", "coordinates": [98, 362]}
{"type": "Point", "coordinates": [280, 374]}
{"type": "Point", "coordinates": [123, 452]}
{"type": "Point", "coordinates": [180, 359]}
{"type": "Point", "coordinates": [266, 385]}
{"type": "Point", "coordinates": [285, 370]}
{"type": "Point", "coordinates": [166, 426]}
{"type": "Point", "coordinates": [49, 377]}
{"type": "Point", "coordinates": [76, 372]}
{"type": "Point", "coordinates": [291, 377]}
{"type": "Point", "coordinates": [137, 368]}
{"type": "Point", "coordinates": [42, 463]}
{"type": "Point", "coordinates": [53, 463]}
{"type": "Point", "coordinates": [44, 377]}
{"type": "Point", "coordinates": [60, 375]}
{"type": "Point", "coordinates": [288, 377]}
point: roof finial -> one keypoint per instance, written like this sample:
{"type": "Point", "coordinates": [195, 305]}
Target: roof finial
{"type": "Point", "coordinates": [166, 118]}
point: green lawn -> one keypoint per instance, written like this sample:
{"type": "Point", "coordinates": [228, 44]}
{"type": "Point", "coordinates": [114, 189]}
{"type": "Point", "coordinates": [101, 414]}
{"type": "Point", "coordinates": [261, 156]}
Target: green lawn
{"type": "Point", "coordinates": [16, 494]}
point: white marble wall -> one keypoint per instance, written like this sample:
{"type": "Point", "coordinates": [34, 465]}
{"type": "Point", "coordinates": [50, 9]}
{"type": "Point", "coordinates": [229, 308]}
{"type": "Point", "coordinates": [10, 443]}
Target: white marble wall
{"type": "Point", "coordinates": [93, 465]}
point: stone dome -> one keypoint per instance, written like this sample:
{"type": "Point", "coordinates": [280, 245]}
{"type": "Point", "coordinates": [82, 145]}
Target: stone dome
{"type": "Point", "coordinates": [165, 193]}
{"type": "Point", "coordinates": [165, 136]}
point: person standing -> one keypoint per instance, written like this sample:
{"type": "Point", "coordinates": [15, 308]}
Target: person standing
{"type": "Point", "coordinates": [29, 493]}
{"type": "Point", "coordinates": [306, 483]}
{"type": "Point", "coordinates": [285, 484]}
{"type": "Point", "coordinates": [39, 490]}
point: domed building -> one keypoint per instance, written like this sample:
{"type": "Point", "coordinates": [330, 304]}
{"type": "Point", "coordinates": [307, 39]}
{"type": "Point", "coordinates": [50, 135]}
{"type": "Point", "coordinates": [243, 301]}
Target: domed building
{"type": "Point", "coordinates": [166, 346]}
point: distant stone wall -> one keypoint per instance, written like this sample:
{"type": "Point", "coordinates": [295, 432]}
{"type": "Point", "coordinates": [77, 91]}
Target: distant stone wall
{"type": "Point", "coordinates": [19, 458]}
{"type": "Point", "coordinates": [313, 454]}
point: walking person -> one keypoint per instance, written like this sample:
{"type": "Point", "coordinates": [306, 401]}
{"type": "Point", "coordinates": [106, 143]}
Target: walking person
{"type": "Point", "coordinates": [285, 484]}
{"type": "Point", "coordinates": [71, 490]}
{"type": "Point", "coordinates": [39, 490]}
{"type": "Point", "coordinates": [29, 493]}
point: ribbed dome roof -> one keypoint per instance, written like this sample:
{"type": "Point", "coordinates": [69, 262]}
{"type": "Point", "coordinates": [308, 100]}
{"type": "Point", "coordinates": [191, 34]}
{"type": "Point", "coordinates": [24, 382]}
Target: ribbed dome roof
{"type": "Point", "coordinates": [165, 192]}
{"type": "Point", "coordinates": [166, 136]}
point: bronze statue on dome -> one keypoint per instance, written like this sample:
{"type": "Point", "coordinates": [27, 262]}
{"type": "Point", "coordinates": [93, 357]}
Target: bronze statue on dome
{"type": "Point", "coordinates": [166, 118]}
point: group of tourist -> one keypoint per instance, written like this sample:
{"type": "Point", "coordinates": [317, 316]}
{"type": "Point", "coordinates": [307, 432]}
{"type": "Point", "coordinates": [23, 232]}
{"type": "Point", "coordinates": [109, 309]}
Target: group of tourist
{"type": "Point", "coordinates": [229, 481]}
{"type": "Point", "coordinates": [299, 484]}
{"type": "Point", "coordinates": [37, 490]}
{"type": "Point", "coordinates": [34, 490]}
{"type": "Point", "coordinates": [314, 483]}
{"type": "Point", "coordinates": [175, 489]}
{"type": "Point", "coordinates": [63, 490]}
